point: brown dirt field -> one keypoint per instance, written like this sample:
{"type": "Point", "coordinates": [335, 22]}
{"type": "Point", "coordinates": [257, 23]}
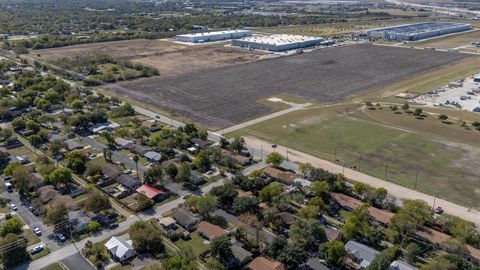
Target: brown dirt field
{"type": "Point", "coordinates": [120, 49]}
{"type": "Point", "coordinates": [196, 58]}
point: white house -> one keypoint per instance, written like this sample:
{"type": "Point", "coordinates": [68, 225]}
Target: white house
{"type": "Point", "coordinates": [120, 248]}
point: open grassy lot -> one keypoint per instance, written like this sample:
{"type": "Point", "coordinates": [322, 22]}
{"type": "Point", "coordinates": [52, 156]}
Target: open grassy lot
{"type": "Point", "coordinates": [453, 41]}
{"type": "Point", "coordinates": [343, 134]}
{"type": "Point", "coordinates": [196, 244]}
{"type": "Point", "coordinates": [222, 97]}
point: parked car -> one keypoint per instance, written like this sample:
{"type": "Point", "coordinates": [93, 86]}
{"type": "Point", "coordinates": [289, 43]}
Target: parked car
{"type": "Point", "coordinates": [113, 226]}
{"type": "Point", "coordinates": [60, 237]}
{"type": "Point", "coordinates": [13, 207]}
{"type": "Point", "coordinates": [7, 178]}
{"type": "Point", "coordinates": [439, 210]}
{"type": "Point", "coordinates": [37, 231]}
{"type": "Point", "coordinates": [37, 249]}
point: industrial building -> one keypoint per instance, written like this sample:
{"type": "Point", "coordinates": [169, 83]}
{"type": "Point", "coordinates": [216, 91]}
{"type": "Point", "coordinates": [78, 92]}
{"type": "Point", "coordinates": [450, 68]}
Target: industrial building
{"type": "Point", "coordinates": [213, 36]}
{"type": "Point", "coordinates": [417, 31]}
{"type": "Point", "coordinates": [277, 43]}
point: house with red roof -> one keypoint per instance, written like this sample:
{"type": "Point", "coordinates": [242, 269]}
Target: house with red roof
{"type": "Point", "coordinates": [152, 193]}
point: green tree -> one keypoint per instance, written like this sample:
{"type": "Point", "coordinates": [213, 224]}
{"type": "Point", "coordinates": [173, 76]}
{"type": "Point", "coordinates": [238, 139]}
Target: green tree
{"type": "Point", "coordinates": [154, 174]}
{"type": "Point", "coordinates": [32, 125]}
{"type": "Point", "coordinates": [22, 176]}
{"type": "Point", "coordinates": [180, 262]}
{"type": "Point", "coordinates": [439, 263]}
{"type": "Point", "coordinates": [184, 172]}
{"type": "Point", "coordinates": [56, 215]}
{"type": "Point", "coordinates": [202, 161]}
{"type": "Point", "coordinates": [143, 202]}
{"type": "Point", "coordinates": [109, 137]}
{"type": "Point", "coordinates": [56, 147]}
{"type": "Point", "coordinates": [277, 245]}
{"type": "Point", "coordinates": [146, 237]}
{"type": "Point", "coordinates": [305, 233]}
{"type": "Point", "coordinates": [320, 188]}
{"type": "Point", "coordinates": [382, 261]}
{"type": "Point", "coordinates": [171, 170]}
{"type": "Point", "coordinates": [220, 248]}
{"type": "Point", "coordinates": [237, 145]}
{"type": "Point", "coordinates": [245, 204]}
{"type": "Point", "coordinates": [94, 226]}
{"type": "Point", "coordinates": [76, 161]}
{"type": "Point", "coordinates": [13, 225]}
{"type": "Point", "coordinates": [225, 194]}
{"type": "Point", "coordinates": [274, 159]}
{"type": "Point", "coordinates": [212, 264]}
{"type": "Point", "coordinates": [97, 201]}
{"type": "Point", "coordinates": [77, 104]}
{"type": "Point", "coordinates": [293, 256]}
{"type": "Point", "coordinates": [333, 252]}
{"type": "Point", "coordinates": [412, 251]}
{"type": "Point", "coordinates": [135, 159]}
{"type": "Point", "coordinates": [61, 177]}
{"type": "Point", "coordinates": [206, 205]}
{"type": "Point", "coordinates": [269, 192]}
{"type": "Point", "coordinates": [305, 168]}
{"type": "Point", "coordinates": [17, 253]}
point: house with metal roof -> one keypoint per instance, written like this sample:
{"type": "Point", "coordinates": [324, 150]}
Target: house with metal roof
{"type": "Point", "coordinates": [361, 254]}
{"type": "Point", "coordinates": [120, 248]}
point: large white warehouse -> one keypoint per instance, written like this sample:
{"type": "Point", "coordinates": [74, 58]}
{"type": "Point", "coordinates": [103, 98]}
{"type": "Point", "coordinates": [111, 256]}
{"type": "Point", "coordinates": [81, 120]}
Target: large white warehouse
{"type": "Point", "coordinates": [277, 43]}
{"type": "Point", "coordinates": [213, 36]}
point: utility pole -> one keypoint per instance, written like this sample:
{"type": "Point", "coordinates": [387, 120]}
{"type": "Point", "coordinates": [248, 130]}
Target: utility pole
{"type": "Point", "coordinates": [386, 170]}
{"type": "Point", "coordinates": [434, 201]}
{"type": "Point", "coordinates": [359, 156]}
{"type": "Point", "coordinates": [336, 153]}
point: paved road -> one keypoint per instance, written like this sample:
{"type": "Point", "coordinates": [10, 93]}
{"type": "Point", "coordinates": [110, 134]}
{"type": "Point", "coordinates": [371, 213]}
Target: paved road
{"type": "Point", "coordinates": [31, 220]}
{"type": "Point", "coordinates": [395, 190]}
{"type": "Point", "coordinates": [77, 262]}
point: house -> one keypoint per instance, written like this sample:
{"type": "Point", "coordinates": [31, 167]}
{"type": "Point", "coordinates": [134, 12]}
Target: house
{"type": "Point", "coordinates": [285, 177]}
{"type": "Point", "coordinates": [73, 144]}
{"type": "Point", "coordinates": [362, 255]}
{"type": "Point", "coordinates": [286, 218]}
{"type": "Point", "coordinates": [153, 157]}
{"type": "Point", "coordinates": [47, 193]}
{"type": "Point", "coordinates": [110, 173]}
{"type": "Point", "coordinates": [210, 231]}
{"type": "Point", "coordinates": [35, 182]}
{"type": "Point", "coordinates": [152, 193]}
{"type": "Point", "coordinates": [185, 218]}
{"type": "Point", "coordinates": [139, 149]}
{"type": "Point", "coordinates": [129, 183]}
{"type": "Point", "coordinates": [51, 137]}
{"type": "Point", "coordinates": [123, 143]}
{"type": "Point", "coordinates": [151, 125]}
{"type": "Point", "coordinates": [120, 248]}
{"type": "Point", "coordinates": [242, 160]}
{"type": "Point", "coordinates": [349, 203]}
{"type": "Point", "coordinates": [196, 178]}
{"type": "Point", "coordinates": [313, 264]}
{"type": "Point", "coordinates": [167, 222]}
{"type": "Point", "coordinates": [66, 200]}
{"type": "Point", "coordinates": [332, 233]}
{"type": "Point", "coordinates": [240, 255]}
{"type": "Point", "coordinates": [78, 220]}
{"type": "Point", "coordinates": [262, 263]}
{"type": "Point", "coordinates": [199, 142]}
{"type": "Point", "coordinates": [401, 265]}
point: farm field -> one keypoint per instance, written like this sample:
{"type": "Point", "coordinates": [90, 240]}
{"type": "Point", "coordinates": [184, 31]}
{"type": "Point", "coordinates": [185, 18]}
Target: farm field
{"type": "Point", "coordinates": [221, 97]}
{"type": "Point", "coordinates": [169, 58]}
{"type": "Point", "coordinates": [346, 135]}
{"type": "Point", "coordinates": [461, 41]}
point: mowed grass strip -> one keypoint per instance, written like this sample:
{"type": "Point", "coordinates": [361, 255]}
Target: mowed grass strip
{"type": "Point", "coordinates": [449, 169]}
{"type": "Point", "coordinates": [452, 41]}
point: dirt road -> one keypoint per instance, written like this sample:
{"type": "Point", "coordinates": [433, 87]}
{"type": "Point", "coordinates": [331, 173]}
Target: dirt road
{"type": "Point", "coordinates": [395, 190]}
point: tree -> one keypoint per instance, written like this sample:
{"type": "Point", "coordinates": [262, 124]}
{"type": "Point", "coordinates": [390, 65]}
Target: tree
{"type": "Point", "coordinates": [405, 107]}
{"type": "Point", "coordinates": [154, 174]}
{"type": "Point", "coordinates": [171, 170]}
{"type": "Point", "coordinates": [275, 159]}
{"type": "Point", "coordinates": [461, 229]}
{"type": "Point", "coordinates": [439, 263]}
{"type": "Point", "coordinates": [382, 261]}
{"type": "Point", "coordinates": [305, 233]}
{"type": "Point", "coordinates": [212, 264]}
{"type": "Point", "coordinates": [201, 161]}
{"type": "Point", "coordinates": [237, 145]}
{"type": "Point", "coordinates": [245, 204]}
{"type": "Point", "coordinates": [293, 256]}
{"type": "Point", "coordinates": [4, 160]}
{"type": "Point", "coordinates": [224, 143]}
{"type": "Point", "coordinates": [419, 210]}
{"type": "Point", "coordinates": [225, 194]}
{"type": "Point", "coordinates": [206, 205]}
{"type": "Point", "coordinates": [443, 117]}
{"type": "Point", "coordinates": [379, 196]}
{"type": "Point", "coordinates": [109, 137]}
{"type": "Point", "coordinates": [135, 159]}
{"type": "Point", "coordinates": [76, 161]}
{"type": "Point", "coordinates": [97, 201]}
{"type": "Point", "coordinates": [277, 245]}
{"type": "Point", "coordinates": [13, 225]}
{"type": "Point", "coordinates": [17, 253]}
{"type": "Point", "coordinates": [333, 252]}
{"type": "Point", "coordinates": [180, 262]}
{"type": "Point", "coordinates": [77, 104]}
{"type": "Point", "coordinates": [184, 172]}
{"type": "Point", "coordinates": [357, 224]}
{"type": "Point", "coordinates": [412, 251]}
{"type": "Point", "coordinates": [320, 188]}
{"type": "Point", "coordinates": [143, 202]}
{"type": "Point", "coordinates": [305, 168]}
{"type": "Point", "coordinates": [56, 215]}
{"type": "Point", "coordinates": [18, 123]}
{"type": "Point", "coordinates": [94, 226]}
{"type": "Point", "coordinates": [55, 148]}
{"type": "Point", "coordinates": [146, 237]}
{"type": "Point", "coordinates": [61, 177]}
{"type": "Point", "coordinates": [269, 192]}
{"type": "Point", "coordinates": [220, 248]}
{"type": "Point", "coordinates": [22, 176]}
{"type": "Point", "coordinates": [32, 125]}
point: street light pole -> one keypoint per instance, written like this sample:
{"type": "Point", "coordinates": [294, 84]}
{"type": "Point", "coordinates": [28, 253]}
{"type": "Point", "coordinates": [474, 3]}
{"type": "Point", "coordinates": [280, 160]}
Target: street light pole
{"type": "Point", "coordinates": [416, 179]}
{"type": "Point", "coordinates": [434, 201]}
{"type": "Point", "coordinates": [386, 170]}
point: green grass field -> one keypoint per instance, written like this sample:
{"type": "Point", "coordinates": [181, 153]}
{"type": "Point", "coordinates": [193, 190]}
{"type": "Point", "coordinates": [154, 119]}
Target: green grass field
{"type": "Point", "coordinates": [447, 168]}
{"type": "Point", "coordinates": [196, 244]}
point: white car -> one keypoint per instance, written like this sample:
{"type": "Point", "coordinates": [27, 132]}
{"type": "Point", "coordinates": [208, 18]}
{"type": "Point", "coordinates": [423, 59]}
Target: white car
{"type": "Point", "coordinates": [37, 231]}
{"type": "Point", "coordinates": [13, 207]}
